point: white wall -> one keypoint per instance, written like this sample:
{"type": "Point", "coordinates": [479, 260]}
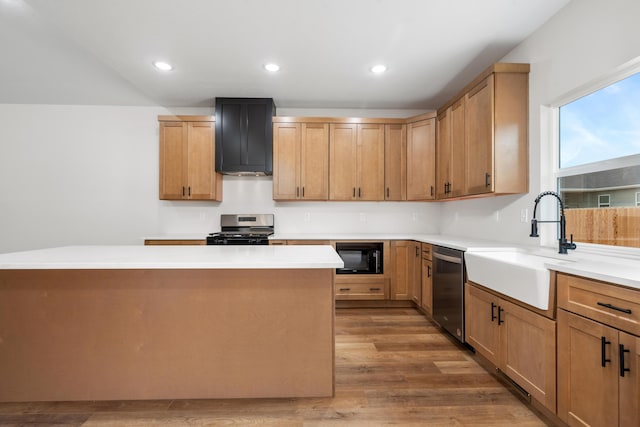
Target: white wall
{"type": "Point", "coordinates": [585, 40]}
{"type": "Point", "coordinates": [89, 175]}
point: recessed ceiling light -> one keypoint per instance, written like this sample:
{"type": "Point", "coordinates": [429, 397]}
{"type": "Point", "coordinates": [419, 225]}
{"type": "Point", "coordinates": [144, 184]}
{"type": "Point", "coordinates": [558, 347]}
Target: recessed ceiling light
{"type": "Point", "coordinates": [378, 69]}
{"type": "Point", "coordinates": [272, 67]}
{"type": "Point", "coordinates": [164, 66]}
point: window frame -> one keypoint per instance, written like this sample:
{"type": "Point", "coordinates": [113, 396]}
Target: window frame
{"type": "Point", "coordinates": [551, 122]}
{"type": "Point", "coordinates": [606, 204]}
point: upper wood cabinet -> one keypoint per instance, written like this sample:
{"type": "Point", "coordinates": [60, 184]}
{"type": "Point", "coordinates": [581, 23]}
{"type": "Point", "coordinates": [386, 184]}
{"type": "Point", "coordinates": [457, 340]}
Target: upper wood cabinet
{"type": "Point", "coordinates": [421, 160]}
{"type": "Point", "coordinates": [395, 162]}
{"type": "Point", "coordinates": [491, 116]}
{"type": "Point", "coordinates": [300, 161]}
{"type": "Point", "coordinates": [450, 149]}
{"type": "Point", "coordinates": [356, 161]}
{"type": "Point", "coordinates": [187, 159]}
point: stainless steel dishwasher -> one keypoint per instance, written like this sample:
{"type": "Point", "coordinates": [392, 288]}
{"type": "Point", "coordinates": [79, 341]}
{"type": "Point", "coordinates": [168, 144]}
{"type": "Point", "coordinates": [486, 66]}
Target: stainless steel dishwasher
{"type": "Point", "coordinates": [448, 290]}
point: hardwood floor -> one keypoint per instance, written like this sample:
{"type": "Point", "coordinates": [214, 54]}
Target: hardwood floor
{"type": "Point", "coordinates": [393, 366]}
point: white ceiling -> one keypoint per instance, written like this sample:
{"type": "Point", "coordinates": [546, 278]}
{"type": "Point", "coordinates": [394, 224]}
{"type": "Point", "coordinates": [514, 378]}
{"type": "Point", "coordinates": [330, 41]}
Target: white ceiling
{"type": "Point", "coordinates": [101, 51]}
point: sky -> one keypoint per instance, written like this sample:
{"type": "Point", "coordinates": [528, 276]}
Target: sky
{"type": "Point", "coordinates": [601, 126]}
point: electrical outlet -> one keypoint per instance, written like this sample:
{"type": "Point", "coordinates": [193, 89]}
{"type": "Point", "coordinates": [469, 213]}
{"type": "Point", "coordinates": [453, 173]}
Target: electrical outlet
{"type": "Point", "coordinates": [524, 215]}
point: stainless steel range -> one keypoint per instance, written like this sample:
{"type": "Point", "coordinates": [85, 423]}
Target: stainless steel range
{"type": "Point", "coordinates": [245, 229]}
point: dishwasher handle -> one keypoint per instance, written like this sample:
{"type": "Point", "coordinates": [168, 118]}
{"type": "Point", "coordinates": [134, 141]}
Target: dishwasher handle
{"type": "Point", "coordinates": [448, 258]}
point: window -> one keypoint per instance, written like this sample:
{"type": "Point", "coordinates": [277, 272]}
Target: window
{"type": "Point", "coordinates": [599, 162]}
{"type": "Point", "coordinates": [604, 200]}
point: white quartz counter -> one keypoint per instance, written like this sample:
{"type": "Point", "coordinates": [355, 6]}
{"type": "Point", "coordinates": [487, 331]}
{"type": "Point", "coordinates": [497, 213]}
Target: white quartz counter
{"type": "Point", "coordinates": [174, 257]}
{"type": "Point", "coordinates": [454, 242]}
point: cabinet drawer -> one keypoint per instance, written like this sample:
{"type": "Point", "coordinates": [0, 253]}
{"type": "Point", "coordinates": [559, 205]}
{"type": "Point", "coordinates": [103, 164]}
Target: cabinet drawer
{"type": "Point", "coordinates": [169, 242]}
{"type": "Point", "coordinates": [601, 301]}
{"type": "Point", "coordinates": [362, 289]}
{"type": "Point", "coordinates": [426, 251]}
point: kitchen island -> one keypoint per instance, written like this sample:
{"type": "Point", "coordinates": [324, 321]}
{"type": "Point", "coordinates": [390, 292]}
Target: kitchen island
{"type": "Point", "coordinates": [145, 322]}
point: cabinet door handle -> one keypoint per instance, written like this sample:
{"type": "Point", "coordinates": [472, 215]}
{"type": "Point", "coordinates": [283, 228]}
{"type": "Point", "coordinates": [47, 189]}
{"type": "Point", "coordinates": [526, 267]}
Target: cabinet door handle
{"type": "Point", "coordinates": [344, 289]}
{"type": "Point", "coordinates": [500, 310]}
{"type": "Point", "coordinates": [303, 191]}
{"type": "Point", "coordinates": [377, 289]}
{"type": "Point", "coordinates": [613, 307]}
{"type": "Point", "coordinates": [428, 271]}
{"type": "Point", "coordinates": [354, 192]}
{"type": "Point", "coordinates": [493, 313]}
{"type": "Point", "coordinates": [387, 192]}
{"type": "Point", "coordinates": [359, 193]}
{"type": "Point", "coordinates": [417, 252]}
{"type": "Point", "coordinates": [603, 351]}
{"type": "Point", "coordinates": [487, 179]}
{"type": "Point", "coordinates": [189, 191]}
{"type": "Point", "coordinates": [432, 190]}
{"type": "Point", "coordinates": [297, 191]}
{"type": "Point", "coordinates": [621, 353]}
{"type": "Point", "coordinates": [183, 191]}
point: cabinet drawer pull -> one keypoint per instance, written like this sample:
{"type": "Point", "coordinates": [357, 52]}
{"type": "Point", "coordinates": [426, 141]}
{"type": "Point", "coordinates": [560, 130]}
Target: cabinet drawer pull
{"type": "Point", "coordinates": [377, 289]}
{"type": "Point", "coordinates": [500, 310]}
{"type": "Point", "coordinates": [603, 351]}
{"type": "Point", "coordinates": [493, 315]}
{"type": "Point", "coordinates": [344, 289]}
{"type": "Point", "coordinates": [613, 307]}
{"type": "Point", "coordinates": [621, 353]}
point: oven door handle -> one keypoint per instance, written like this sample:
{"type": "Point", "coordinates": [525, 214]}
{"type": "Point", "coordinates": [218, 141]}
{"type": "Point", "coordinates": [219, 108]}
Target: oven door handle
{"type": "Point", "coordinates": [455, 260]}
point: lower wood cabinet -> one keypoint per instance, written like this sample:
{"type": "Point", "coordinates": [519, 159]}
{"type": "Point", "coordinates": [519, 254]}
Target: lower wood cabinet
{"type": "Point", "coordinates": [406, 265]}
{"type": "Point", "coordinates": [426, 297]}
{"type": "Point", "coordinates": [361, 287]}
{"type": "Point", "coordinates": [519, 342]}
{"type": "Point", "coordinates": [598, 361]}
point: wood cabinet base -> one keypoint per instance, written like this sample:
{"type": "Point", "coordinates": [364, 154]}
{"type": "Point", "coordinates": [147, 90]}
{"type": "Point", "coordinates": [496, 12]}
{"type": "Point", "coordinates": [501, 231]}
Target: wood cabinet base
{"type": "Point", "coordinates": [165, 334]}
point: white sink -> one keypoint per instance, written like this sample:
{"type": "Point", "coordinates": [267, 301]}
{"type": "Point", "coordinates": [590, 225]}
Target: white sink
{"type": "Point", "coordinates": [515, 273]}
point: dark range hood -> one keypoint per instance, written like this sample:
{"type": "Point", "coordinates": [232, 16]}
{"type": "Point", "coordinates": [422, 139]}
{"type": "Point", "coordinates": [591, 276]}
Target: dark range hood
{"type": "Point", "coordinates": [244, 136]}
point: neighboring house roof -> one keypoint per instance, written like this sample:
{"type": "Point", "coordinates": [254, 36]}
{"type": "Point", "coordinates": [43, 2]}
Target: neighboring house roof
{"type": "Point", "coordinates": [614, 179]}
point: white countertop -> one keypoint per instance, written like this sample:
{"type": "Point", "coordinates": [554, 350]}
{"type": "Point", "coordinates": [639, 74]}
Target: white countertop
{"type": "Point", "coordinates": [173, 257]}
{"type": "Point", "coordinates": [454, 242]}
{"type": "Point", "coordinates": [613, 269]}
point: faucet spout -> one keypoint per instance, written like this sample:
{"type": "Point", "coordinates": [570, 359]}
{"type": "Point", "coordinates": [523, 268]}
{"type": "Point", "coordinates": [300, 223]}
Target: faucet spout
{"type": "Point", "coordinates": [563, 245]}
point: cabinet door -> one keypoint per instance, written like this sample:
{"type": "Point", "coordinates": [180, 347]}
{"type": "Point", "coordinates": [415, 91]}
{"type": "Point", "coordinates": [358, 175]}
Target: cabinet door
{"type": "Point", "coordinates": [528, 352]}
{"type": "Point", "coordinates": [426, 301]}
{"type": "Point", "coordinates": [421, 160]}
{"type": "Point", "coordinates": [395, 162]}
{"type": "Point", "coordinates": [479, 138]}
{"type": "Point", "coordinates": [443, 153]}
{"type": "Point", "coordinates": [201, 178]}
{"type": "Point", "coordinates": [587, 390]}
{"type": "Point", "coordinates": [342, 161]}
{"type": "Point", "coordinates": [458, 155]}
{"type": "Point", "coordinates": [370, 162]}
{"type": "Point", "coordinates": [314, 161]}
{"type": "Point", "coordinates": [415, 270]}
{"type": "Point", "coordinates": [173, 160]}
{"type": "Point", "coordinates": [481, 322]}
{"type": "Point", "coordinates": [402, 254]}
{"type": "Point", "coordinates": [629, 388]}
{"type": "Point", "coordinates": [286, 161]}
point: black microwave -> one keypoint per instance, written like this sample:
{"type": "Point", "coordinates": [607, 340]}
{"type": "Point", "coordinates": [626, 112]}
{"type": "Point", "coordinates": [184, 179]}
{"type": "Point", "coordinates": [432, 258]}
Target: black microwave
{"type": "Point", "coordinates": [360, 258]}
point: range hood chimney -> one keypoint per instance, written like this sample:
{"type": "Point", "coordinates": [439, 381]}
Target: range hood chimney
{"type": "Point", "coordinates": [244, 136]}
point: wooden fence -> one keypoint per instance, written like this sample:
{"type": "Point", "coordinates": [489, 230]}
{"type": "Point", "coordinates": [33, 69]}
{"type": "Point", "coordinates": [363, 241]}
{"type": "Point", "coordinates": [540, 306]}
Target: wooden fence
{"type": "Point", "coordinates": [605, 226]}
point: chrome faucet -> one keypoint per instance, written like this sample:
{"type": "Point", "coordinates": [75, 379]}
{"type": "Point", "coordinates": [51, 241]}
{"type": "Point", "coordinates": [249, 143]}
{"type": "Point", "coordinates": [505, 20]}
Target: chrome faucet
{"type": "Point", "coordinates": [563, 245]}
